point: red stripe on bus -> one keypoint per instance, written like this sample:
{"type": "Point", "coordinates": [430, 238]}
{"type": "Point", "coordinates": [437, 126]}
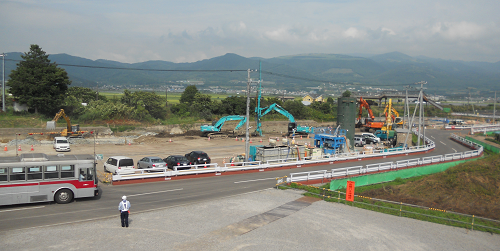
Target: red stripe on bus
{"type": "Point", "coordinates": [76, 183]}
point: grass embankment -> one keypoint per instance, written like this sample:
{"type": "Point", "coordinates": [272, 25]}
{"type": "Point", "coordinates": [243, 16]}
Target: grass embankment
{"type": "Point", "coordinates": [470, 188]}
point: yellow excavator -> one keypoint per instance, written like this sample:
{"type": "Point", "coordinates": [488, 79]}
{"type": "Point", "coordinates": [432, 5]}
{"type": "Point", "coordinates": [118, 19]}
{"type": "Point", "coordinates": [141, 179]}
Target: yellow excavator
{"type": "Point", "coordinates": [70, 131]}
{"type": "Point", "coordinates": [392, 117]}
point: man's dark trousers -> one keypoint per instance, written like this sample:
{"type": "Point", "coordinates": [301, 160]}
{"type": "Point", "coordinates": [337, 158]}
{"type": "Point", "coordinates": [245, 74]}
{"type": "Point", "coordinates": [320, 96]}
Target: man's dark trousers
{"type": "Point", "coordinates": [124, 218]}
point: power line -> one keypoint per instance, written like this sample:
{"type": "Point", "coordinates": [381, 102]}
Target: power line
{"type": "Point", "coordinates": [138, 69]}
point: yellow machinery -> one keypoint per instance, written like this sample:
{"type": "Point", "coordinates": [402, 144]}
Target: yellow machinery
{"type": "Point", "coordinates": [70, 131]}
{"type": "Point", "coordinates": [391, 117]}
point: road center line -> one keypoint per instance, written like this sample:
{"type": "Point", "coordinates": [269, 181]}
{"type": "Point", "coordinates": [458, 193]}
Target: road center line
{"type": "Point", "coordinates": [243, 181]}
{"type": "Point", "coordinates": [442, 142]}
{"type": "Point", "coordinates": [454, 149]}
{"type": "Point", "coordinates": [432, 137]}
{"type": "Point", "coordinates": [155, 192]}
{"type": "Point", "coordinates": [19, 209]}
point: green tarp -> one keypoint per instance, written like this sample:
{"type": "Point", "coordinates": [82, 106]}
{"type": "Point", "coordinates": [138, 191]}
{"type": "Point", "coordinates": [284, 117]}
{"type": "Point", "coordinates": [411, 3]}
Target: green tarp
{"type": "Point", "coordinates": [485, 145]}
{"type": "Point", "coordinates": [390, 176]}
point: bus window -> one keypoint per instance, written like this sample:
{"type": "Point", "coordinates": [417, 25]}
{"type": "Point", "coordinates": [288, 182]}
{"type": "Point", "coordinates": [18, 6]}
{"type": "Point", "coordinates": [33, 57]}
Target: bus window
{"type": "Point", "coordinates": [34, 173]}
{"type": "Point", "coordinates": [17, 173]}
{"type": "Point", "coordinates": [86, 174]}
{"type": "Point", "coordinates": [67, 171]}
{"type": "Point", "coordinates": [50, 172]}
{"type": "Point", "coordinates": [3, 174]}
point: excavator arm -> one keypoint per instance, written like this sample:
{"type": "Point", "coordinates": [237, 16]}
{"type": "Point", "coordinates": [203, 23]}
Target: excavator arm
{"type": "Point", "coordinates": [218, 125]}
{"type": "Point", "coordinates": [364, 104]}
{"type": "Point", "coordinates": [279, 109]}
{"type": "Point", "coordinates": [60, 114]}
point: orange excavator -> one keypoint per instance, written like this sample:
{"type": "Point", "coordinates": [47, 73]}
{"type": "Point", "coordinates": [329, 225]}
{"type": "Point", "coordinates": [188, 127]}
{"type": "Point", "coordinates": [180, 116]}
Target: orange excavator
{"type": "Point", "coordinates": [370, 124]}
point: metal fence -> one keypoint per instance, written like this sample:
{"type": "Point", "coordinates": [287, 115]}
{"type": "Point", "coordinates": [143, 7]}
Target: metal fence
{"type": "Point", "coordinates": [387, 166]}
{"type": "Point", "coordinates": [240, 166]}
{"type": "Point", "coordinates": [407, 210]}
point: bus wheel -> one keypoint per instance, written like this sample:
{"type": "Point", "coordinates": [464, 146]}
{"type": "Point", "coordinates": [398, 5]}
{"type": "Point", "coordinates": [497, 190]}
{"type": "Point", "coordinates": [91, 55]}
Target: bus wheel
{"type": "Point", "coordinates": [63, 196]}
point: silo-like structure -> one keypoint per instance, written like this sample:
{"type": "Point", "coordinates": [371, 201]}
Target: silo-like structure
{"type": "Point", "coordinates": [346, 117]}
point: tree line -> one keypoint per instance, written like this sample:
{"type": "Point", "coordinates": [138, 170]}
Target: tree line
{"type": "Point", "coordinates": [44, 88]}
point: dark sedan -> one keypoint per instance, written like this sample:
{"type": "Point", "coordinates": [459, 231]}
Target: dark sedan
{"type": "Point", "coordinates": [181, 162]}
{"type": "Point", "coordinates": [198, 157]}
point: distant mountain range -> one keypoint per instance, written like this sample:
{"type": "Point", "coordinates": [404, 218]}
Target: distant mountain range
{"type": "Point", "coordinates": [287, 72]}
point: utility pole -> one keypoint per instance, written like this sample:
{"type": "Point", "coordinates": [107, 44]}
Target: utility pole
{"type": "Point", "coordinates": [494, 108]}
{"type": "Point", "coordinates": [3, 82]}
{"type": "Point", "coordinates": [421, 118]}
{"type": "Point", "coordinates": [247, 150]}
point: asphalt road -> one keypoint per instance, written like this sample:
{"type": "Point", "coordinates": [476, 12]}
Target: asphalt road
{"type": "Point", "coordinates": [157, 195]}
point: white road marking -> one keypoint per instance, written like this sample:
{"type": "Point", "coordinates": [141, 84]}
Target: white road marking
{"type": "Point", "coordinates": [442, 142]}
{"type": "Point", "coordinates": [432, 137]}
{"type": "Point", "coordinates": [155, 192]}
{"type": "Point", "coordinates": [454, 149]}
{"type": "Point", "coordinates": [19, 209]}
{"type": "Point", "coordinates": [243, 181]}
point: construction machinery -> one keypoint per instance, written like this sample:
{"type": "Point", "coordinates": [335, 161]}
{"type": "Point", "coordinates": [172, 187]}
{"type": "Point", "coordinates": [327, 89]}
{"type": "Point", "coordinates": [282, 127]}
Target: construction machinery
{"type": "Point", "coordinates": [392, 116]}
{"type": "Point", "coordinates": [214, 130]}
{"type": "Point", "coordinates": [370, 124]}
{"type": "Point", "coordinates": [293, 128]}
{"type": "Point", "coordinates": [70, 130]}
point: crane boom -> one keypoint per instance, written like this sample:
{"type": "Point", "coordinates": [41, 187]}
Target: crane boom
{"type": "Point", "coordinates": [206, 129]}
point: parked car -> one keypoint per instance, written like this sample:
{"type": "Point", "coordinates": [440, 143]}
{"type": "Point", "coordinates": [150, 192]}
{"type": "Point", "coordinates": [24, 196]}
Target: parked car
{"type": "Point", "coordinates": [359, 140]}
{"type": "Point", "coordinates": [61, 144]}
{"type": "Point", "coordinates": [181, 162]}
{"type": "Point", "coordinates": [151, 162]}
{"type": "Point", "coordinates": [198, 157]}
{"type": "Point", "coordinates": [119, 164]}
{"type": "Point", "coordinates": [371, 138]}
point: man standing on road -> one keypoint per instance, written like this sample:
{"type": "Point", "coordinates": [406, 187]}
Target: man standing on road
{"type": "Point", "coordinates": [123, 207]}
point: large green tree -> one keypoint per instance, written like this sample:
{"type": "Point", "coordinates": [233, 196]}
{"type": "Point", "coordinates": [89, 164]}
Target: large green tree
{"type": "Point", "coordinates": [39, 83]}
{"type": "Point", "coordinates": [189, 94]}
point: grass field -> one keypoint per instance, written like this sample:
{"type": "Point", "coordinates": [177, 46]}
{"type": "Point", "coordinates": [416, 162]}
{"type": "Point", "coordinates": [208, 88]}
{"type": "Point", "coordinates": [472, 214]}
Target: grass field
{"type": "Point", "coordinates": [173, 97]}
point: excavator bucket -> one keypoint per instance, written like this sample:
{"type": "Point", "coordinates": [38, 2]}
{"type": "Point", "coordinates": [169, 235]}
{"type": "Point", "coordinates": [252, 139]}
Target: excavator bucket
{"type": "Point", "coordinates": [51, 125]}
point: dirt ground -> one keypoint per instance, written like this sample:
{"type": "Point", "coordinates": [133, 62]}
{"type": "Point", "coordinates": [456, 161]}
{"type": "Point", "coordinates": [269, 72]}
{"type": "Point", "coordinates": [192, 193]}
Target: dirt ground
{"type": "Point", "coordinates": [164, 143]}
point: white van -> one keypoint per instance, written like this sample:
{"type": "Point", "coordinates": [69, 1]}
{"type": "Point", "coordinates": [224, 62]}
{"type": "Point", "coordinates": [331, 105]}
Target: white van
{"type": "Point", "coordinates": [61, 144]}
{"type": "Point", "coordinates": [119, 164]}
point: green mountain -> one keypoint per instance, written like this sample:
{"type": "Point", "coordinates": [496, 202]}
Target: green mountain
{"type": "Point", "coordinates": [294, 72]}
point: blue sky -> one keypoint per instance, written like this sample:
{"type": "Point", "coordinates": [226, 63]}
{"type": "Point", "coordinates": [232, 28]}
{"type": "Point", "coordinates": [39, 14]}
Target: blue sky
{"type": "Point", "coordinates": [188, 31]}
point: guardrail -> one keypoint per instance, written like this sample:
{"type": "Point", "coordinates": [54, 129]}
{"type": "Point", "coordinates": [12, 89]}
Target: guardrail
{"type": "Point", "coordinates": [242, 166]}
{"type": "Point", "coordinates": [386, 166]}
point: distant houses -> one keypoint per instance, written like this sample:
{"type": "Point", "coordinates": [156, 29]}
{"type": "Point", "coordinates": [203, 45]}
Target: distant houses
{"type": "Point", "coordinates": [313, 98]}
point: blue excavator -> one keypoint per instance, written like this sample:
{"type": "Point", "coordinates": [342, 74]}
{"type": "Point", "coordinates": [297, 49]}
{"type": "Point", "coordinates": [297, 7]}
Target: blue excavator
{"type": "Point", "coordinates": [214, 130]}
{"type": "Point", "coordinates": [293, 128]}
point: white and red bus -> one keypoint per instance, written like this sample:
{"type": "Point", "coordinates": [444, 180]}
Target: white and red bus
{"type": "Point", "coordinates": [37, 177]}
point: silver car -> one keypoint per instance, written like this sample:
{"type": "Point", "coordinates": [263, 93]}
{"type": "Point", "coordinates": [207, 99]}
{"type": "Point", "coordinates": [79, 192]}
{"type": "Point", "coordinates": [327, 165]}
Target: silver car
{"type": "Point", "coordinates": [151, 163]}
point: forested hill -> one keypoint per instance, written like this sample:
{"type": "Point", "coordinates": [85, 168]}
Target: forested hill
{"type": "Point", "coordinates": [380, 70]}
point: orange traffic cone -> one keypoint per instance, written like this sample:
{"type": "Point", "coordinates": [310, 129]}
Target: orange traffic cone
{"type": "Point", "coordinates": [224, 161]}
{"type": "Point", "coordinates": [209, 138]}
{"type": "Point", "coordinates": [260, 140]}
{"type": "Point", "coordinates": [5, 149]}
{"type": "Point", "coordinates": [205, 165]}
{"type": "Point", "coordinates": [300, 136]}
{"type": "Point", "coordinates": [232, 162]}
{"type": "Point", "coordinates": [236, 138]}
{"type": "Point", "coordinates": [129, 143]}
{"type": "Point", "coordinates": [19, 148]}
{"type": "Point", "coordinates": [242, 139]}
{"type": "Point", "coordinates": [277, 139]}
{"type": "Point", "coordinates": [250, 140]}
{"type": "Point", "coordinates": [32, 148]}
{"type": "Point", "coordinates": [170, 140]}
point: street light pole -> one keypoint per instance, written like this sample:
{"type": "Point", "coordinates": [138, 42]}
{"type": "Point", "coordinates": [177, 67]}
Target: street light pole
{"type": "Point", "coordinates": [494, 108]}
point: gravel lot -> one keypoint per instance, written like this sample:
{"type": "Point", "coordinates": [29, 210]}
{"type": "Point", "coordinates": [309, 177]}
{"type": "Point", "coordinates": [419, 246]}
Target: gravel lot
{"type": "Point", "coordinates": [211, 226]}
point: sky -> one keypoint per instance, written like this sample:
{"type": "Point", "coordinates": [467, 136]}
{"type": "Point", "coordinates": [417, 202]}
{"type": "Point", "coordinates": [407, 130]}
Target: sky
{"type": "Point", "coordinates": [188, 31]}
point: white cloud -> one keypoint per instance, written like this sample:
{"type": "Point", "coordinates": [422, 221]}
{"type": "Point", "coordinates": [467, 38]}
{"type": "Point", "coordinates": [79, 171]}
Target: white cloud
{"type": "Point", "coordinates": [459, 30]}
{"type": "Point", "coordinates": [183, 31]}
